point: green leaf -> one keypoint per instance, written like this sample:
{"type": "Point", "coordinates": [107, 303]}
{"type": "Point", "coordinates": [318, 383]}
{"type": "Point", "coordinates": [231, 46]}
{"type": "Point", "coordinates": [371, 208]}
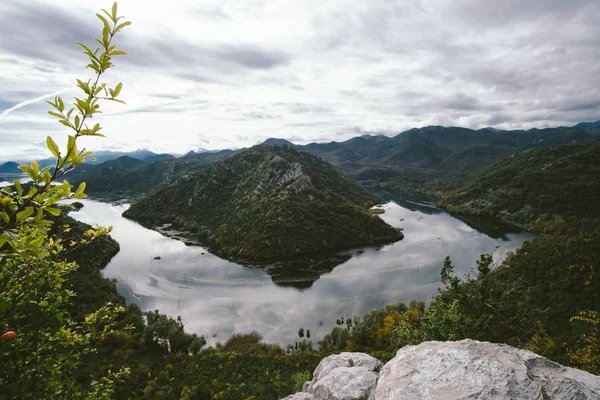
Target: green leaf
{"type": "Point", "coordinates": [17, 184]}
{"type": "Point", "coordinates": [65, 123]}
{"type": "Point", "coordinates": [71, 145]}
{"type": "Point", "coordinates": [121, 26]}
{"type": "Point", "coordinates": [36, 168]}
{"type": "Point", "coordinates": [24, 214]}
{"type": "Point", "coordinates": [61, 105]}
{"type": "Point", "coordinates": [6, 219]}
{"type": "Point", "coordinates": [105, 37]}
{"type": "Point", "coordinates": [52, 211]}
{"type": "Point", "coordinates": [27, 169]}
{"type": "Point", "coordinates": [117, 89]}
{"type": "Point", "coordinates": [55, 114]}
{"type": "Point", "coordinates": [44, 303]}
{"type": "Point", "coordinates": [87, 51]}
{"type": "Point", "coordinates": [52, 146]}
{"type": "Point", "coordinates": [104, 21]}
{"type": "Point", "coordinates": [81, 188]}
{"type": "Point", "coordinates": [118, 53]}
{"type": "Point", "coordinates": [114, 11]}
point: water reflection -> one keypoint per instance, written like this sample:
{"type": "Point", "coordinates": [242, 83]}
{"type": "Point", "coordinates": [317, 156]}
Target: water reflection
{"type": "Point", "coordinates": [218, 298]}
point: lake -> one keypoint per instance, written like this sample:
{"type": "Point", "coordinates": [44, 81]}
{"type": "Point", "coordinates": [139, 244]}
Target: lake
{"type": "Point", "coordinates": [217, 298]}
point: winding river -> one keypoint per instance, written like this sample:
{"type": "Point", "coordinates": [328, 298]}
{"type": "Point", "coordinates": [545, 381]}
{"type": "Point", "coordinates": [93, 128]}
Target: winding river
{"type": "Point", "coordinates": [217, 298]}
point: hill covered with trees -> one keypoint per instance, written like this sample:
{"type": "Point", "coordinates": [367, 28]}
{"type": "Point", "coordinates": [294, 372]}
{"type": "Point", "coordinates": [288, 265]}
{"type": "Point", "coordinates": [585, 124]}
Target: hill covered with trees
{"type": "Point", "coordinates": [267, 203]}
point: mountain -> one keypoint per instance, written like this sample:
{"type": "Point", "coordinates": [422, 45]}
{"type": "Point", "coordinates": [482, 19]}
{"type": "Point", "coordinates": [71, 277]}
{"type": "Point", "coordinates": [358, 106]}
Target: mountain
{"type": "Point", "coordinates": [103, 174]}
{"type": "Point", "coordinates": [107, 155]}
{"type": "Point", "coordinates": [424, 156]}
{"type": "Point", "coordinates": [590, 126]}
{"type": "Point", "coordinates": [278, 142]}
{"type": "Point", "coordinates": [10, 168]}
{"type": "Point", "coordinates": [535, 187]}
{"type": "Point", "coordinates": [141, 154]}
{"type": "Point", "coordinates": [268, 203]}
{"type": "Point", "coordinates": [135, 179]}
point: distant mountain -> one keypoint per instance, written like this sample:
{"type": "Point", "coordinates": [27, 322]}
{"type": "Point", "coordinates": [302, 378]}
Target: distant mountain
{"type": "Point", "coordinates": [10, 168]}
{"type": "Point", "coordinates": [144, 155]}
{"type": "Point", "coordinates": [534, 187]}
{"type": "Point", "coordinates": [106, 155]}
{"type": "Point", "coordinates": [105, 173]}
{"type": "Point", "coordinates": [589, 126]}
{"type": "Point", "coordinates": [136, 179]}
{"type": "Point", "coordinates": [268, 203]}
{"type": "Point", "coordinates": [421, 156]}
{"type": "Point", "coordinates": [277, 142]}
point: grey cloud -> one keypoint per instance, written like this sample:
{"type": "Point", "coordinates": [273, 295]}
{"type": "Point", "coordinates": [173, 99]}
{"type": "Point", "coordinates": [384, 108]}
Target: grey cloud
{"type": "Point", "coordinates": [48, 32]}
{"type": "Point", "coordinates": [42, 31]}
{"type": "Point", "coordinates": [172, 51]}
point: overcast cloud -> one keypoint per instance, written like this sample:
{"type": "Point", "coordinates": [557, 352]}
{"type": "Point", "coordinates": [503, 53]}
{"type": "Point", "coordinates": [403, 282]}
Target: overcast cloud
{"type": "Point", "coordinates": [222, 74]}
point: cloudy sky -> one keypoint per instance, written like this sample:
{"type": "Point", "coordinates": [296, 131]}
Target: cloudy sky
{"type": "Point", "coordinates": [231, 73]}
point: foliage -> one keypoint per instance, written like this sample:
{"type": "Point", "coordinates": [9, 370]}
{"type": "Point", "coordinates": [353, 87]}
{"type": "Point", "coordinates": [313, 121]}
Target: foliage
{"type": "Point", "coordinates": [49, 344]}
{"type": "Point", "coordinates": [268, 203]}
{"type": "Point", "coordinates": [539, 188]}
{"type": "Point", "coordinates": [587, 355]}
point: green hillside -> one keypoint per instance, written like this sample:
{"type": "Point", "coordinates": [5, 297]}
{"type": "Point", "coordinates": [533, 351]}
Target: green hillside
{"type": "Point", "coordinates": [266, 203]}
{"type": "Point", "coordinates": [533, 187]}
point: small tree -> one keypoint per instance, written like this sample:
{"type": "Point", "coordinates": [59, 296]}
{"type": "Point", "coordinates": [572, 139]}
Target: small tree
{"type": "Point", "coordinates": [43, 345]}
{"type": "Point", "coordinates": [301, 332]}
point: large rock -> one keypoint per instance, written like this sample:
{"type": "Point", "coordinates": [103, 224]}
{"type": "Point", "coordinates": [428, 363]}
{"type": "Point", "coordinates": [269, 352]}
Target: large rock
{"type": "Point", "coordinates": [345, 359]}
{"type": "Point", "coordinates": [345, 383]}
{"type": "Point", "coordinates": [449, 371]}
{"type": "Point", "coordinates": [345, 376]}
{"type": "Point", "coordinates": [476, 370]}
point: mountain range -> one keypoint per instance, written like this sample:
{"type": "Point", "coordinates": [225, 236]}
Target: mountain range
{"type": "Point", "coordinates": [412, 159]}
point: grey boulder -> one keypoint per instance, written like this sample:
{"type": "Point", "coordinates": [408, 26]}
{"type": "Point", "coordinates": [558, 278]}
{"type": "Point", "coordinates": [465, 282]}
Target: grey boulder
{"type": "Point", "coordinates": [477, 370]}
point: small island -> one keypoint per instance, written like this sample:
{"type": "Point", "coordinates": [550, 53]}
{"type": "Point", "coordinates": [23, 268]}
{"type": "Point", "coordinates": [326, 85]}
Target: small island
{"type": "Point", "coordinates": [268, 203]}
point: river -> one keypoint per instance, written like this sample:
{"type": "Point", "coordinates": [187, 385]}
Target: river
{"type": "Point", "coordinates": [217, 298]}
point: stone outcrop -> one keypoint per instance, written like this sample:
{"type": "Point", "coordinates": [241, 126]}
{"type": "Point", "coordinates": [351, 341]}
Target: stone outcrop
{"type": "Point", "coordinates": [449, 371]}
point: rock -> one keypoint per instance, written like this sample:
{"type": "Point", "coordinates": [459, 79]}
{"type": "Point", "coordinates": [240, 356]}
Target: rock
{"type": "Point", "coordinates": [476, 370]}
{"type": "Point", "coordinates": [305, 386]}
{"type": "Point", "coordinates": [449, 371]}
{"type": "Point", "coordinates": [345, 376]}
{"type": "Point", "coordinates": [345, 383]}
{"type": "Point", "coordinates": [299, 396]}
{"type": "Point", "coordinates": [345, 359]}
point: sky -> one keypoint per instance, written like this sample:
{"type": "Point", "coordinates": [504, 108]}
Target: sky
{"type": "Point", "coordinates": [219, 74]}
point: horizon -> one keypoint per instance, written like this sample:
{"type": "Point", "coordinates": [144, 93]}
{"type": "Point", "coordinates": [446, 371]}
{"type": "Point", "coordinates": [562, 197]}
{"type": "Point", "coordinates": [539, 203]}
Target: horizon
{"type": "Point", "coordinates": [127, 153]}
{"type": "Point", "coordinates": [222, 75]}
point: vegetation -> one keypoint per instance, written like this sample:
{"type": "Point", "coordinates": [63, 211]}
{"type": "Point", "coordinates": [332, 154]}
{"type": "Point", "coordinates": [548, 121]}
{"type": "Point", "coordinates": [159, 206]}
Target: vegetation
{"type": "Point", "coordinates": [266, 203]}
{"type": "Point", "coordinates": [66, 332]}
{"type": "Point", "coordinates": [45, 345]}
{"type": "Point", "coordinates": [536, 188]}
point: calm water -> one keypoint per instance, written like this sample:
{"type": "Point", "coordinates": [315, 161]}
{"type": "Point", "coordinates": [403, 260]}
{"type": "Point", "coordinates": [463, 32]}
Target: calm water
{"type": "Point", "coordinates": [217, 298]}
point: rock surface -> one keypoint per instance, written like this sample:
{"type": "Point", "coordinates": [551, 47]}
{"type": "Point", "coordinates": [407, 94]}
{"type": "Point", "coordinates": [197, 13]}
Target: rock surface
{"type": "Point", "coordinates": [450, 371]}
{"type": "Point", "coordinates": [299, 396]}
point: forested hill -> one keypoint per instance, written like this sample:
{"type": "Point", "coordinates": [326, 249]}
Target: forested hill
{"type": "Point", "coordinates": [533, 187]}
{"type": "Point", "coordinates": [269, 202]}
